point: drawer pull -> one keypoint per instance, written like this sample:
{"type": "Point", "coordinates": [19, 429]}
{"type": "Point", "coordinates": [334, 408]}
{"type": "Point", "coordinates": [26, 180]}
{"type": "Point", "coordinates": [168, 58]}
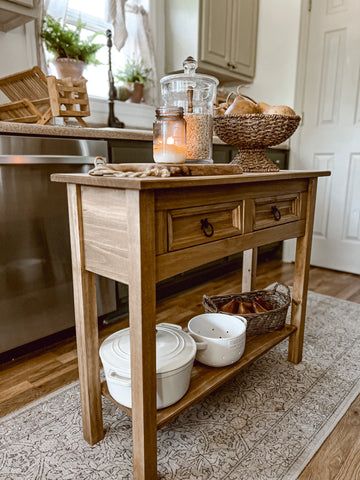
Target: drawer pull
{"type": "Point", "coordinates": [207, 227]}
{"type": "Point", "coordinates": [276, 212]}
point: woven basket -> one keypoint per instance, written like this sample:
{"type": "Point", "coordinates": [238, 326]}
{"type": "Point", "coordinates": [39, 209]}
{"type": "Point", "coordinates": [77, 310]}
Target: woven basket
{"type": "Point", "coordinates": [252, 134]}
{"type": "Point", "coordinates": [257, 323]}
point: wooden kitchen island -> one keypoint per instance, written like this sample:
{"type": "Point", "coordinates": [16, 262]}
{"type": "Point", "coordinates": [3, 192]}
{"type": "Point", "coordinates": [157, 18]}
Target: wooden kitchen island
{"type": "Point", "coordinates": [141, 231]}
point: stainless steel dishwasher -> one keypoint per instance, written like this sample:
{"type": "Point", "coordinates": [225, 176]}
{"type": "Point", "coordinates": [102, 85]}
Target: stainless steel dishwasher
{"type": "Point", "coordinates": [36, 298]}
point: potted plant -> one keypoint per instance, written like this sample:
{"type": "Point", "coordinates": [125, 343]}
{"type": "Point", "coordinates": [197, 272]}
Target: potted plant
{"type": "Point", "coordinates": [135, 74]}
{"type": "Point", "coordinates": [70, 51]}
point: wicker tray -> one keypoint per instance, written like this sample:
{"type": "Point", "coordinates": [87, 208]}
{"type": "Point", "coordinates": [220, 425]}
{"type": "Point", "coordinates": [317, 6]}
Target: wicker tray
{"type": "Point", "coordinates": [258, 323]}
{"type": "Point", "coordinates": [252, 134]}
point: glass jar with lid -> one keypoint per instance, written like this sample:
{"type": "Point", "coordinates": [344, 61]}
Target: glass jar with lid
{"type": "Point", "coordinates": [169, 144]}
{"type": "Point", "coordinates": [195, 93]}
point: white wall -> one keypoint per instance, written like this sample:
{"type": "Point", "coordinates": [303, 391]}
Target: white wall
{"type": "Point", "coordinates": [277, 50]}
{"type": "Point", "coordinates": [181, 32]}
{"type": "Point", "coordinates": [16, 50]}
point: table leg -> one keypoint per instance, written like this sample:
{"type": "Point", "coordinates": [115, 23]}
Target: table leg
{"type": "Point", "coordinates": [86, 325]}
{"type": "Point", "coordinates": [142, 306]}
{"type": "Point", "coordinates": [249, 270]}
{"type": "Point", "coordinates": [301, 278]}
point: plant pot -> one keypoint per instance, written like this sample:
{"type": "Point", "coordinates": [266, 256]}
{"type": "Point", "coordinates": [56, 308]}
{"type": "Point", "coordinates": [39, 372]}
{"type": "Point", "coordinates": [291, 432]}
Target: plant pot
{"type": "Point", "coordinates": [123, 93]}
{"type": "Point", "coordinates": [69, 67]}
{"type": "Point", "coordinates": [138, 92]}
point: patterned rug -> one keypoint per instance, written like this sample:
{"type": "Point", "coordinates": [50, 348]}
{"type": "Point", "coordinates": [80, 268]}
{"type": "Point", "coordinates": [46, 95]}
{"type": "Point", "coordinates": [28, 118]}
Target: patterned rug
{"type": "Point", "coordinates": [265, 424]}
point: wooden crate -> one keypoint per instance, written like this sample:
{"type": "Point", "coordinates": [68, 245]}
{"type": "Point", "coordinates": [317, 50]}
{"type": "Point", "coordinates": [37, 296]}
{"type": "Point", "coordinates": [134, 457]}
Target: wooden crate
{"type": "Point", "coordinates": [68, 98]}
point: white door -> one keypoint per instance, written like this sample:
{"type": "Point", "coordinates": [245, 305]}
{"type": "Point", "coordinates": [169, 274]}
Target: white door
{"type": "Point", "coordinates": [330, 136]}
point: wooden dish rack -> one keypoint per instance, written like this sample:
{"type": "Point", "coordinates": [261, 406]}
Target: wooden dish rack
{"type": "Point", "coordinates": [36, 98]}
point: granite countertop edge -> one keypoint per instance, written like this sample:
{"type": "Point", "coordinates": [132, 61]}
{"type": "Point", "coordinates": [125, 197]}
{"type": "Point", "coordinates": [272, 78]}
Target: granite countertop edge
{"type": "Point", "coordinates": [90, 133]}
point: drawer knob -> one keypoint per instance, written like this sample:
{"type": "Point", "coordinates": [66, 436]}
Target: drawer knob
{"type": "Point", "coordinates": [276, 212]}
{"type": "Point", "coordinates": [207, 227]}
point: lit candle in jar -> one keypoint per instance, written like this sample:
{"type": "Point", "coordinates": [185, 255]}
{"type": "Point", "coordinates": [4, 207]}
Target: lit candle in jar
{"type": "Point", "coordinates": [169, 136]}
{"type": "Point", "coordinates": [169, 152]}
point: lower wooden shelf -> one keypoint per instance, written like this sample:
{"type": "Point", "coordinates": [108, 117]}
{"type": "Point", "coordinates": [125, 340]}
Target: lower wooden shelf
{"type": "Point", "coordinates": [205, 380]}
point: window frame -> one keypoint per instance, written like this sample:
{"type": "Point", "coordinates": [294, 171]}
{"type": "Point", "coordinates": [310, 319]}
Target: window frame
{"type": "Point", "coordinates": [92, 23]}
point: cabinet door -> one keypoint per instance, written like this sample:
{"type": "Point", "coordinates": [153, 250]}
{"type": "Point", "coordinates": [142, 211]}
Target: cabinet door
{"type": "Point", "coordinates": [216, 32]}
{"type": "Point", "coordinates": [130, 151]}
{"type": "Point", "coordinates": [243, 36]}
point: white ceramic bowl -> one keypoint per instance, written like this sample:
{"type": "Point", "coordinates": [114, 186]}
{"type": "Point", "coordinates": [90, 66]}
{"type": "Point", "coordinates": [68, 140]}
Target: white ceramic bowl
{"type": "Point", "coordinates": [220, 338]}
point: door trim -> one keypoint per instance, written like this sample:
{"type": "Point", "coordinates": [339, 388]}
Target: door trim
{"type": "Point", "coordinates": [305, 16]}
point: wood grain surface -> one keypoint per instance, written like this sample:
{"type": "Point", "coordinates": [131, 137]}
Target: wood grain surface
{"type": "Point", "coordinates": [301, 278]}
{"type": "Point", "coordinates": [142, 306]}
{"type": "Point", "coordinates": [86, 324]}
{"type": "Point", "coordinates": [179, 182]}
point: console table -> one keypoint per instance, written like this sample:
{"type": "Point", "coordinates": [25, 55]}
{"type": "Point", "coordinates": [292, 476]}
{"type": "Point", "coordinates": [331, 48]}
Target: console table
{"type": "Point", "coordinates": [140, 231]}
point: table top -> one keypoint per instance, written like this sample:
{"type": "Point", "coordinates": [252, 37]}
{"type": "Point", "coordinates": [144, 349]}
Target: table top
{"type": "Point", "coordinates": [151, 183]}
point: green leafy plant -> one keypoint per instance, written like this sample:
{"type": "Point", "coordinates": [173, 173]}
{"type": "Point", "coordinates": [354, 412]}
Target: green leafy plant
{"type": "Point", "coordinates": [134, 71]}
{"type": "Point", "coordinates": [65, 42]}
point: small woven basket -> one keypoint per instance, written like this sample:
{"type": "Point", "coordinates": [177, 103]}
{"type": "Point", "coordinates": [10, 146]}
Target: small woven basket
{"type": "Point", "coordinates": [252, 134]}
{"type": "Point", "coordinates": [257, 323]}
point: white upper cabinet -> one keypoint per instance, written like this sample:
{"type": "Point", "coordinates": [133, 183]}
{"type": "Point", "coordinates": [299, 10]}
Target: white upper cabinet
{"type": "Point", "coordinates": [14, 13]}
{"type": "Point", "coordinates": [216, 32]}
{"type": "Point", "coordinates": [220, 34]}
{"type": "Point", "coordinates": [244, 36]}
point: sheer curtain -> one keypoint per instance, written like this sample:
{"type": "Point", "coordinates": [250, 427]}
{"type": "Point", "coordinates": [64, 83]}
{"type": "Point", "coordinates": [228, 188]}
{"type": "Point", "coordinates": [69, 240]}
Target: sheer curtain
{"type": "Point", "coordinates": [141, 45]}
{"type": "Point", "coordinates": [115, 12]}
{"type": "Point", "coordinates": [131, 16]}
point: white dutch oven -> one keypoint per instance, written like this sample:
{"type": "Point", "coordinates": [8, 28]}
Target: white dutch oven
{"type": "Point", "coordinates": [220, 338]}
{"type": "Point", "coordinates": [175, 354]}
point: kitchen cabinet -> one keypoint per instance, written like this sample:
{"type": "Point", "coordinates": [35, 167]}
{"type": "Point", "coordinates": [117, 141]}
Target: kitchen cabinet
{"type": "Point", "coordinates": [244, 36]}
{"type": "Point", "coordinates": [216, 33]}
{"type": "Point", "coordinates": [220, 35]}
{"type": "Point", "coordinates": [14, 13]}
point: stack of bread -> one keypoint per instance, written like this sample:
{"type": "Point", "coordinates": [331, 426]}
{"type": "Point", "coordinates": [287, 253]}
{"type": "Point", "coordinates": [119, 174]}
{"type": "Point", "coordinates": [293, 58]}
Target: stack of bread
{"type": "Point", "coordinates": [242, 105]}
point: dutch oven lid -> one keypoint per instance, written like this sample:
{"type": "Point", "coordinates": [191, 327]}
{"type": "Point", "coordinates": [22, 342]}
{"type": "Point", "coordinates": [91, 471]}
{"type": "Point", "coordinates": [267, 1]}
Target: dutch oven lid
{"type": "Point", "coordinates": [174, 349]}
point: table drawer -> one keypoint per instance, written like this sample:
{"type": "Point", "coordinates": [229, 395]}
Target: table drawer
{"type": "Point", "coordinates": [187, 227]}
{"type": "Point", "coordinates": [271, 211]}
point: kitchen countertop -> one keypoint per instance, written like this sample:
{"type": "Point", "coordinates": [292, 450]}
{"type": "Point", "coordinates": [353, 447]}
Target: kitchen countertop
{"type": "Point", "coordinates": [91, 133]}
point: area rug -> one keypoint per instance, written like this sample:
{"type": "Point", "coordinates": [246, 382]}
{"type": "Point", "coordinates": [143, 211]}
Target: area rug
{"type": "Point", "coordinates": [265, 424]}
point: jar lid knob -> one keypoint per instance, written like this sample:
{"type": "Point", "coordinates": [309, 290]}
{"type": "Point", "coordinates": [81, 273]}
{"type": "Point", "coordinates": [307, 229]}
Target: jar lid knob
{"type": "Point", "coordinates": [190, 65]}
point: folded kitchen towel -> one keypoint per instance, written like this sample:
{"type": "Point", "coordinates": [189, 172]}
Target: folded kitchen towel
{"type": "Point", "coordinates": [141, 170]}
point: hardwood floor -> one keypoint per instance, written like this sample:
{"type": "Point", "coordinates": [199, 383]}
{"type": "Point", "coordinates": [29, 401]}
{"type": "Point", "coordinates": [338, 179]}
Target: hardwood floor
{"type": "Point", "coordinates": [29, 378]}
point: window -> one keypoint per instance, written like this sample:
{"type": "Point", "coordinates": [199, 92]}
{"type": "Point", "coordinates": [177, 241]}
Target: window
{"type": "Point", "coordinates": [93, 14]}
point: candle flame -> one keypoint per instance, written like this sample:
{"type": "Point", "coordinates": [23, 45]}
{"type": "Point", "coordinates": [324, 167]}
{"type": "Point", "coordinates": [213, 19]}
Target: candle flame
{"type": "Point", "coordinates": [170, 141]}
